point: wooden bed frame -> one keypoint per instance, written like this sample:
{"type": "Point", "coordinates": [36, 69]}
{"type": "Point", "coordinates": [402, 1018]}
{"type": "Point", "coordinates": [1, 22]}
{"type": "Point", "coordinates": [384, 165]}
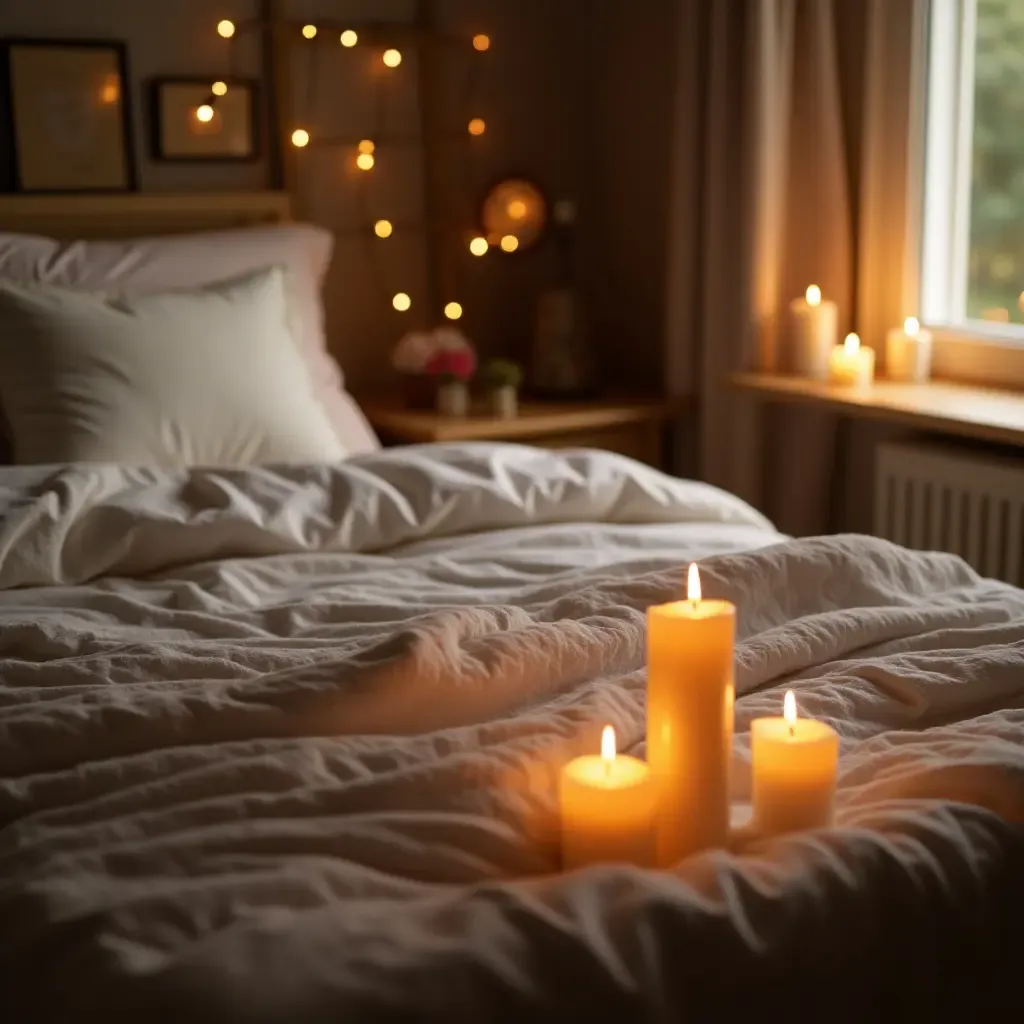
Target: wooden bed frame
{"type": "Point", "coordinates": [138, 214]}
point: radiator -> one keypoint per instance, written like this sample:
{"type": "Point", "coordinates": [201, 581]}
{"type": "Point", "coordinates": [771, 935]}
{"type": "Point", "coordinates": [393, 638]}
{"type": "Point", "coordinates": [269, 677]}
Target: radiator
{"type": "Point", "coordinates": [944, 499]}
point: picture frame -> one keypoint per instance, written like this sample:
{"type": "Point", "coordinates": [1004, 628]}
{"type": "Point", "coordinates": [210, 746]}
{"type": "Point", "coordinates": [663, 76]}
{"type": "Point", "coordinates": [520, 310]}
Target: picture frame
{"type": "Point", "coordinates": [176, 133]}
{"type": "Point", "coordinates": [67, 110]}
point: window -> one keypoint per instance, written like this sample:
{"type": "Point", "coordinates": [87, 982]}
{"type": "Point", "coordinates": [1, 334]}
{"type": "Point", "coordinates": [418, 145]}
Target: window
{"type": "Point", "coordinates": [973, 241]}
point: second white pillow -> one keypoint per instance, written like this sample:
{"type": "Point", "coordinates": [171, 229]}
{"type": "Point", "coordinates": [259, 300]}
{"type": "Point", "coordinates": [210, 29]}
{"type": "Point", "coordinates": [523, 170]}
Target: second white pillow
{"type": "Point", "coordinates": [207, 377]}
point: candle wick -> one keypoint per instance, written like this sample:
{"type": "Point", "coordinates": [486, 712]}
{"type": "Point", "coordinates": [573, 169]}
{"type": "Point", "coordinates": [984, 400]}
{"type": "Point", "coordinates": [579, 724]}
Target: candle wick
{"type": "Point", "coordinates": [791, 733]}
{"type": "Point", "coordinates": [693, 603]}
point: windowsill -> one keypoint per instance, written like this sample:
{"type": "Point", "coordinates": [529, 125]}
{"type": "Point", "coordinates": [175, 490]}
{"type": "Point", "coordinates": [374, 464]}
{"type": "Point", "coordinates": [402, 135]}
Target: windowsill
{"type": "Point", "coordinates": [963, 410]}
{"type": "Point", "coordinates": [978, 358]}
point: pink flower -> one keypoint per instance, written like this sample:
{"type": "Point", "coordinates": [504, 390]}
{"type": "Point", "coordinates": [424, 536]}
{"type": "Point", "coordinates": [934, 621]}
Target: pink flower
{"type": "Point", "coordinates": [455, 364]}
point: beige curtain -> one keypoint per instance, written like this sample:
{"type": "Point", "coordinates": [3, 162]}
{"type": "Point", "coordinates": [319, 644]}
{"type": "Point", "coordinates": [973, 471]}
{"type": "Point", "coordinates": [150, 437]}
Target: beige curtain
{"type": "Point", "coordinates": [780, 104]}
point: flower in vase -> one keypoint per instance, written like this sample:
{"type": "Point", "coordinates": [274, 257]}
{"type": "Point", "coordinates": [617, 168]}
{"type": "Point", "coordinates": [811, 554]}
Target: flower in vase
{"type": "Point", "coordinates": [452, 365]}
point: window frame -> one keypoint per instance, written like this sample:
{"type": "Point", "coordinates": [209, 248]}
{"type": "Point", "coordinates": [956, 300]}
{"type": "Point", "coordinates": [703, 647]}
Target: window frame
{"type": "Point", "coordinates": [966, 348]}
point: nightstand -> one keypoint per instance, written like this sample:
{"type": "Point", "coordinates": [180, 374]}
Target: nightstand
{"type": "Point", "coordinates": [635, 427]}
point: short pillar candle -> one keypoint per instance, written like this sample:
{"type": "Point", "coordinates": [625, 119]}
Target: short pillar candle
{"type": "Point", "coordinates": [793, 765]}
{"type": "Point", "coordinates": [851, 364]}
{"type": "Point", "coordinates": [908, 352]}
{"type": "Point", "coordinates": [607, 806]}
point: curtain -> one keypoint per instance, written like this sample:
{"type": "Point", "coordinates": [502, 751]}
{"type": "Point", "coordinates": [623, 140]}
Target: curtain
{"type": "Point", "coordinates": [791, 157]}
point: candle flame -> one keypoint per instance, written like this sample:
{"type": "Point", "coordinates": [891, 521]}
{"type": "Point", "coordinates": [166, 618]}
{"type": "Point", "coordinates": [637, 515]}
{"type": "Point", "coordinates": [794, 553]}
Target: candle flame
{"type": "Point", "coordinates": [693, 584]}
{"type": "Point", "coordinates": [911, 326]}
{"type": "Point", "coordinates": [789, 708]}
{"type": "Point", "coordinates": [851, 345]}
{"type": "Point", "coordinates": [813, 295]}
{"type": "Point", "coordinates": [608, 746]}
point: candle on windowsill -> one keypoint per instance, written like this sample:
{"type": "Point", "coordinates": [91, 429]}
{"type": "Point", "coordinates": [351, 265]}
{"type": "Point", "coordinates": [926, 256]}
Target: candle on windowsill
{"type": "Point", "coordinates": [908, 352]}
{"type": "Point", "coordinates": [851, 364]}
{"type": "Point", "coordinates": [812, 333]}
{"type": "Point", "coordinates": [608, 809]}
{"type": "Point", "coordinates": [690, 697]}
{"type": "Point", "coordinates": [793, 765]}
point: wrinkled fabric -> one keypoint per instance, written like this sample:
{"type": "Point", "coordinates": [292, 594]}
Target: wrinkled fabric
{"type": "Point", "coordinates": [320, 784]}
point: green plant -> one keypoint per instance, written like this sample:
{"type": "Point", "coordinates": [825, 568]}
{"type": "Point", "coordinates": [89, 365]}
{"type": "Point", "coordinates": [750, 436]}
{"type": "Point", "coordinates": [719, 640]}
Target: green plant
{"type": "Point", "coordinates": [502, 373]}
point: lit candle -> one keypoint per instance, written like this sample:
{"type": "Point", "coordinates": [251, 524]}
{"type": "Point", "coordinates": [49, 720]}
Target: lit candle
{"type": "Point", "coordinates": [851, 365]}
{"type": "Point", "coordinates": [908, 352]}
{"type": "Point", "coordinates": [794, 771]}
{"type": "Point", "coordinates": [689, 719]}
{"type": "Point", "coordinates": [812, 333]}
{"type": "Point", "coordinates": [607, 805]}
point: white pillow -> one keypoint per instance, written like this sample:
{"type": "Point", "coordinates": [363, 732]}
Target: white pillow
{"type": "Point", "coordinates": [209, 377]}
{"type": "Point", "coordinates": [144, 266]}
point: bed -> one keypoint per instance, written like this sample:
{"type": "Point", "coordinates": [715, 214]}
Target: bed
{"type": "Point", "coordinates": [281, 742]}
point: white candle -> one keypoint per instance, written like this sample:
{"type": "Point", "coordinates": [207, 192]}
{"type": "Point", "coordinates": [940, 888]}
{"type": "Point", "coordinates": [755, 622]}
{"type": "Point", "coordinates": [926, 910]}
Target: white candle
{"type": "Point", "coordinates": [850, 364]}
{"type": "Point", "coordinates": [812, 333]}
{"type": "Point", "coordinates": [608, 809]}
{"type": "Point", "coordinates": [690, 698]}
{"type": "Point", "coordinates": [794, 771]}
{"type": "Point", "coordinates": [908, 352]}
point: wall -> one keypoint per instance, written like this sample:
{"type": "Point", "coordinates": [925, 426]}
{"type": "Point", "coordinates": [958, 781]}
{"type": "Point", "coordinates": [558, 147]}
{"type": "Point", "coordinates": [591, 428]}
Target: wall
{"type": "Point", "coordinates": [574, 93]}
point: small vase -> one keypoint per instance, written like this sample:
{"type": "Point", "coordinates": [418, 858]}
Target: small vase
{"type": "Point", "coordinates": [505, 403]}
{"type": "Point", "coordinates": [453, 399]}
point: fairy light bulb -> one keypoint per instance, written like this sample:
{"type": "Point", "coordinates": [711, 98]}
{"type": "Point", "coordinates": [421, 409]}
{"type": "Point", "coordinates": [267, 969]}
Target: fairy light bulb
{"type": "Point", "coordinates": [516, 209]}
{"type": "Point", "coordinates": [225, 29]}
{"type": "Point", "coordinates": [401, 302]}
{"type": "Point", "coordinates": [364, 161]}
{"type": "Point", "coordinates": [453, 310]}
{"type": "Point", "coordinates": [300, 137]}
{"type": "Point", "coordinates": [383, 229]}
{"type": "Point", "coordinates": [509, 243]}
{"type": "Point", "coordinates": [481, 42]}
{"type": "Point", "coordinates": [219, 88]}
{"type": "Point", "coordinates": [204, 113]}
{"type": "Point", "coordinates": [349, 38]}
{"type": "Point", "coordinates": [477, 126]}
{"type": "Point", "coordinates": [366, 146]}
{"type": "Point", "coordinates": [309, 31]}
{"type": "Point", "coordinates": [392, 58]}
{"type": "Point", "coordinates": [478, 246]}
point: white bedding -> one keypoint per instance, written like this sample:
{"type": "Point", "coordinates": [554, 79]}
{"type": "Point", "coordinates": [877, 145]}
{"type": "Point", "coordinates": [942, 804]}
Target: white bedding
{"type": "Point", "coordinates": [303, 768]}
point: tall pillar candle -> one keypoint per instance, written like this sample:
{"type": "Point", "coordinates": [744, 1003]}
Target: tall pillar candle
{"type": "Point", "coordinates": [690, 696]}
{"type": "Point", "coordinates": [812, 333]}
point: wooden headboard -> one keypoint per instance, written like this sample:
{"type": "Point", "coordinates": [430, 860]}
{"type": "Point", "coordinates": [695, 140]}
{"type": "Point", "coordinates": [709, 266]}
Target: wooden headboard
{"type": "Point", "coordinates": [139, 214]}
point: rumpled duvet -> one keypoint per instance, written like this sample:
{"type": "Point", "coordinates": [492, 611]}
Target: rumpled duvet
{"type": "Point", "coordinates": [282, 744]}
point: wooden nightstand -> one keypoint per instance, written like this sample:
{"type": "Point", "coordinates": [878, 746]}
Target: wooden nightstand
{"type": "Point", "coordinates": [636, 428]}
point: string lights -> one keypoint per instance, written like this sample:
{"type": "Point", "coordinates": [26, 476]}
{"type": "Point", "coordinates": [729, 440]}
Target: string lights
{"type": "Point", "coordinates": [365, 155]}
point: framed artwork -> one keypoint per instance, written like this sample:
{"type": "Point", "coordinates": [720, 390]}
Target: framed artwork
{"type": "Point", "coordinates": [203, 119]}
{"type": "Point", "coordinates": [68, 116]}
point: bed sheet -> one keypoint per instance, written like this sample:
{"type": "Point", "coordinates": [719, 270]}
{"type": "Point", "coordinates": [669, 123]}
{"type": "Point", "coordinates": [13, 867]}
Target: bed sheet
{"type": "Point", "coordinates": [282, 745]}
